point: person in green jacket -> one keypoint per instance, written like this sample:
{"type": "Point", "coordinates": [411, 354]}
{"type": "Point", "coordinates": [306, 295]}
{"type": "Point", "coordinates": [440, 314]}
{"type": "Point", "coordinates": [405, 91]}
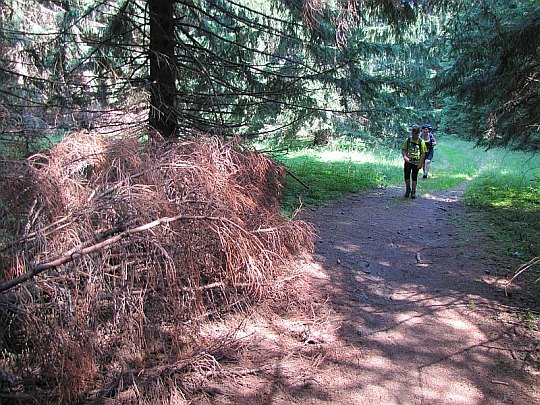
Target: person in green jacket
{"type": "Point", "coordinates": [413, 151]}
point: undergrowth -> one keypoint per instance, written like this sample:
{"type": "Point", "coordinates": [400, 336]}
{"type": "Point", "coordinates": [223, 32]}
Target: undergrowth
{"type": "Point", "coordinates": [505, 200]}
{"type": "Point", "coordinates": [113, 253]}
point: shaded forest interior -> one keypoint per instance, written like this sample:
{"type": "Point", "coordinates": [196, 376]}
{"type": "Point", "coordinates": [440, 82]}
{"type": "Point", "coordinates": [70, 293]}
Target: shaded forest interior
{"type": "Point", "coordinates": [133, 207]}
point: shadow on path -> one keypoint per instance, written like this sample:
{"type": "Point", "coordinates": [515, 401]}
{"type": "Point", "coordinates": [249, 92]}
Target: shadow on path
{"type": "Point", "coordinates": [416, 300]}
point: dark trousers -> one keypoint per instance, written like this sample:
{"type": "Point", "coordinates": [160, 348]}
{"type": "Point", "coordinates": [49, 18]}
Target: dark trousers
{"type": "Point", "coordinates": [409, 169]}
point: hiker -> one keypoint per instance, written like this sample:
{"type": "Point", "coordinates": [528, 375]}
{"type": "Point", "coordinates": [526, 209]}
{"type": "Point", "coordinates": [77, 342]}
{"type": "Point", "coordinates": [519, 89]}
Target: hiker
{"type": "Point", "coordinates": [430, 141]}
{"type": "Point", "coordinates": [413, 152]}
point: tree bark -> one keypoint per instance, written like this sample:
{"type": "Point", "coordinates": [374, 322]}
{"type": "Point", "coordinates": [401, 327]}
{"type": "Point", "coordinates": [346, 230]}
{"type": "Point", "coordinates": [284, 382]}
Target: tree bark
{"type": "Point", "coordinates": [162, 68]}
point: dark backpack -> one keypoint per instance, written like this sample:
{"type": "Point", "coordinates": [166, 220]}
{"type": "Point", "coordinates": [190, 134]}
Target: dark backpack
{"type": "Point", "coordinates": [429, 146]}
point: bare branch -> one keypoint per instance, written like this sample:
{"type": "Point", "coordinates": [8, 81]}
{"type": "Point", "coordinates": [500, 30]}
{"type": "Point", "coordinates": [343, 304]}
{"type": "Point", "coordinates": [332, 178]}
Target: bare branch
{"type": "Point", "coordinates": [75, 254]}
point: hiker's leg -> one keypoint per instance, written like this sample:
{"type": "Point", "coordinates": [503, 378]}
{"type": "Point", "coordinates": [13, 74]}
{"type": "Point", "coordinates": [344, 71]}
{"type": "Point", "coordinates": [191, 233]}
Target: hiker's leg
{"type": "Point", "coordinates": [426, 167]}
{"type": "Point", "coordinates": [427, 162]}
{"type": "Point", "coordinates": [407, 174]}
{"type": "Point", "coordinates": [415, 170]}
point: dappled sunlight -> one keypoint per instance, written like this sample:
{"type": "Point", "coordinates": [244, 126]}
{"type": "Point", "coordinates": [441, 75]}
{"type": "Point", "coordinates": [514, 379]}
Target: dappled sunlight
{"type": "Point", "coordinates": [454, 390]}
{"type": "Point", "coordinates": [348, 248]}
{"type": "Point", "coordinates": [359, 158]}
{"type": "Point", "coordinates": [503, 203]}
{"type": "Point", "coordinates": [381, 362]}
{"type": "Point", "coordinates": [408, 317]}
{"type": "Point", "coordinates": [316, 270]}
{"type": "Point", "coordinates": [498, 282]}
{"type": "Point", "coordinates": [459, 324]}
{"type": "Point", "coordinates": [340, 156]}
{"type": "Point", "coordinates": [409, 296]}
{"type": "Point", "coordinates": [442, 198]}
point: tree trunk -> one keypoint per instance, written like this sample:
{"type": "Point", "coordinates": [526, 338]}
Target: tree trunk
{"type": "Point", "coordinates": [162, 68]}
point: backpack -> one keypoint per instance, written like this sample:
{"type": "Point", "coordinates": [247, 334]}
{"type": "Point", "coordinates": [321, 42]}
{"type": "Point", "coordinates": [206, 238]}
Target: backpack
{"type": "Point", "coordinates": [419, 148]}
{"type": "Point", "coordinates": [429, 145]}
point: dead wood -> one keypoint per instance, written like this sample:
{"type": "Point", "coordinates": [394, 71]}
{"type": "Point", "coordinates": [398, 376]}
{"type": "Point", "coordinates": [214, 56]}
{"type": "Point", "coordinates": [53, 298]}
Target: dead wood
{"type": "Point", "coordinates": [76, 253]}
{"type": "Point", "coordinates": [521, 269]}
{"type": "Point", "coordinates": [117, 250]}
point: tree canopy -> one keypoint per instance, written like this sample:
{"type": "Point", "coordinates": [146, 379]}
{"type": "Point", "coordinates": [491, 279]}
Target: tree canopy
{"type": "Point", "coordinates": [493, 52]}
{"type": "Point", "coordinates": [251, 68]}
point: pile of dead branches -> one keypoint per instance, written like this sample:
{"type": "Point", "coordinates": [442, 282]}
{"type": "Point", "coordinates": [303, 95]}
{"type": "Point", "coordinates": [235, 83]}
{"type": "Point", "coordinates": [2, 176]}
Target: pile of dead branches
{"type": "Point", "coordinates": [112, 251]}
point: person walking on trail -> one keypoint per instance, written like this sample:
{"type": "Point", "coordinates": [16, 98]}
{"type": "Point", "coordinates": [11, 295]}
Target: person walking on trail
{"type": "Point", "coordinates": [430, 141]}
{"type": "Point", "coordinates": [413, 152]}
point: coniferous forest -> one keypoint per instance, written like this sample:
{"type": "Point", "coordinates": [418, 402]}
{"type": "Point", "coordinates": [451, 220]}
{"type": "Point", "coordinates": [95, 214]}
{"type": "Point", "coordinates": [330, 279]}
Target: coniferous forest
{"type": "Point", "coordinates": [132, 205]}
{"type": "Point", "coordinates": [249, 69]}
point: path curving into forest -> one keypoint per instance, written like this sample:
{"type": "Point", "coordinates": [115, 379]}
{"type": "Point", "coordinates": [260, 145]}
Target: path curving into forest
{"type": "Point", "coordinates": [401, 304]}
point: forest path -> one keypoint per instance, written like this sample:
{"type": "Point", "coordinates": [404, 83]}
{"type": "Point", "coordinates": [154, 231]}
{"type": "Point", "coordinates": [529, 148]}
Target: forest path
{"type": "Point", "coordinates": [399, 309]}
{"type": "Point", "coordinates": [421, 302]}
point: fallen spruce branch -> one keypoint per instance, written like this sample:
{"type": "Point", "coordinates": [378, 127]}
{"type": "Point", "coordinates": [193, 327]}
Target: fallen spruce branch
{"type": "Point", "coordinates": [61, 223]}
{"type": "Point", "coordinates": [521, 269]}
{"type": "Point", "coordinates": [297, 179]}
{"type": "Point", "coordinates": [242, 372]}
{"type": "Point", "coordinates": [499, 382]}
{"type": "Point", "coordinates": [74, 254]}
{"type": "Point", "coordinates": [6, 378]}
{"type": "Point", "coordinates": [220, 284]}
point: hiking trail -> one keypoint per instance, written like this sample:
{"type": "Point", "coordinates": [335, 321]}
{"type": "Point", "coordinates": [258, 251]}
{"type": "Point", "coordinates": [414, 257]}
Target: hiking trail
{"type": "Point", "coordinates": [399, 304]}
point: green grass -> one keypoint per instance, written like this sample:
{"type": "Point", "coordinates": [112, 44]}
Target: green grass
{"type": "Point", "coordinates": [329, 173]}
{"type": "Point", "coordinates": [506, 195]}
{"type": "Point", "coordinates": [503, 190]}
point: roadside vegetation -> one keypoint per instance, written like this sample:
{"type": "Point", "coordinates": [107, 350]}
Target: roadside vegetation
{"type": "Point", "coordinates": [506, 192]}
{"type": "Point", "coordinates": [502, 193]}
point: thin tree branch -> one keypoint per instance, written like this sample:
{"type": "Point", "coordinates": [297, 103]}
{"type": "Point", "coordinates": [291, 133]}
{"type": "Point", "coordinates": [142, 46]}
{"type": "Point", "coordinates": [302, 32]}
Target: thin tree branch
{"type": "Point", "coordinates": [76, 253]}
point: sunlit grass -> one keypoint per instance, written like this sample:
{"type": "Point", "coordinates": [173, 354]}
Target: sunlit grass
{"type": "Point", "coordinates": [329, 173]}
{"type": "Point", "coordinates": [503, 187]}
{"type": "Point", "coordinates": [506, 195]}
{"type": "Point", "coordinates": [320, 177]}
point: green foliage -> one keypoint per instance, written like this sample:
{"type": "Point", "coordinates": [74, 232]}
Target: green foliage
{"type": "Point", "coordinates": [328, 176]}
{"type": "Point", "coordinates": [253, 68]}
{"type": "Point", "coordinates": [243, 67]}
{"type": "Point", "coordinates": [494, 72]}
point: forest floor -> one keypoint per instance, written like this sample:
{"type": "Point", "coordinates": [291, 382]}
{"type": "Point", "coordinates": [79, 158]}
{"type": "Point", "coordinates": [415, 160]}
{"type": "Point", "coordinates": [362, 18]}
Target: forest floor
{"type": "Point", "coordinates": [401, 303]}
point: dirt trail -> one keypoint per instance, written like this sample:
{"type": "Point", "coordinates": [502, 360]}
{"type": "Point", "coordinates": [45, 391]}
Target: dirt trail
{"type": "Point", "coordinates": [397, 310]}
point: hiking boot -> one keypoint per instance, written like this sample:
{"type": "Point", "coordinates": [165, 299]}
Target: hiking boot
{"type": "Point", "coordinates": [407, 193]}
{"type": "Point", "coordinates": [413, 194]}
{"type": "Point", "coordinates": [424, 176]}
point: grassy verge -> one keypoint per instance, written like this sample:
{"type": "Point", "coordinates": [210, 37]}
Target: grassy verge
{"type": "Point", "coordinates": [506, 195]}
{"type": "Point", "coordinates": [327, 176]}
{"type": "Point", "coordinates": [504, 207]}
{"type": "Point", "coordinates": [503, 192]}
{"type": "Point", "coordinates": [329, 173]}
